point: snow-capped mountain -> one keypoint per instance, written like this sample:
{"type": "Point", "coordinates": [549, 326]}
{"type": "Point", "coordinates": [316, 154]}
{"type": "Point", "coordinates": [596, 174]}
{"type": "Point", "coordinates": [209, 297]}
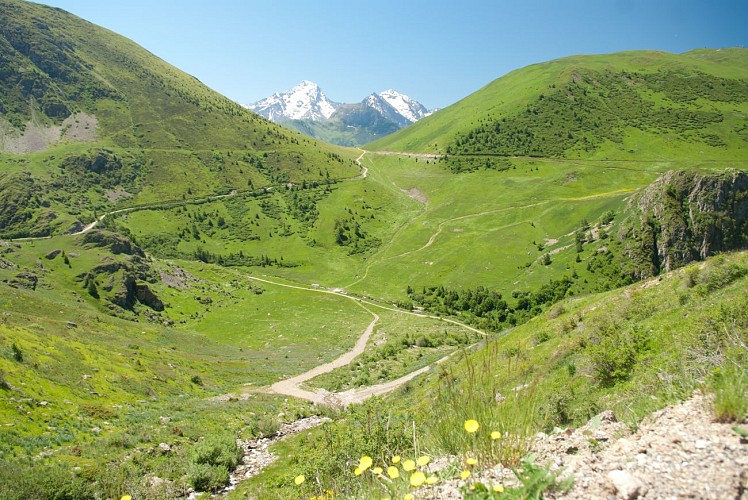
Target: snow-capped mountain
{"type": "Point", "coordinates": [304, 101]}
{"type": "Point", "coordinates": [306, 108]}
{"type": "Point", "coordinates": [378, 103]}
{"type": "Point", "coordinates": [410, 109]}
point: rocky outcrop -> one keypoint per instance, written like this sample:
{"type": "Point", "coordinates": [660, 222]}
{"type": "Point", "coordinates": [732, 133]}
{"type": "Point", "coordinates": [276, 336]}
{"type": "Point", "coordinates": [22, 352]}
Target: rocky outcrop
{"type": "Point", "coordinates": [131, 292]}
{"type": "Point", "coordinates": [147, 297]}
{"type": "Point", "coordinates": [117, 243]}
{"type": "Point", "coordinates": [24, 279]}
{"type": "Point", "coordinates": [684, 216]}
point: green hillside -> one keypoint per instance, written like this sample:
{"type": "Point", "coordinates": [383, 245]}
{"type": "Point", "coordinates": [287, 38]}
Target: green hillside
{"type": "Point", "coordinates": [629, 105]}
{"type": "Point", "coordinates": [230, 254]}
{"type": "Point", "coordinates": [632, 351]}
{"type": "Point", "coordinates": [93, 122]}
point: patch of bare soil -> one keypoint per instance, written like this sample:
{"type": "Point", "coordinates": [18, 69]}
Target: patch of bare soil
{"type": "Point", "coordinates": [418, 195]}
{"type": "Point", "coordinates": [36, 137]}
{"type": "Point", "coordinates": [80, 127]}
{"type": "Point", "coordinates": [113, 195]}
{"type": "Point", "coordinates": [176, 277]}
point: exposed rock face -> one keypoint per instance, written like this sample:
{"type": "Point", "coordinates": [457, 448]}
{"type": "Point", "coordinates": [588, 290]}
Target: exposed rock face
{"type": "Point", "coordinates": [24, 279]}
{"type": "Point", "coordinates": [132, 292]}
{"type": "Point", "coordinates": [146, 296]}
{"type": "Point", "coordinates": [117, 243]}
{"type": "Point", "coordinates": [683, 217]}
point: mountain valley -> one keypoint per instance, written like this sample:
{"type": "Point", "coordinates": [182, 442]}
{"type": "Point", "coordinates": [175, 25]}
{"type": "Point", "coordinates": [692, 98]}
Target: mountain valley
{"type": "Point", "coordinates": [184, 282]}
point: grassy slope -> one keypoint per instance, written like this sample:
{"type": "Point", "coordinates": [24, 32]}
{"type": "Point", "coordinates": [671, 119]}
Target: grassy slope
{"type": "Point", "coordinates": [662, 339]}
{"type": "Point", "coordinates": [509, 95]}
{"type": "Point", "coordinates": [90, 388]}
{"type": "Point", "coordinates": [185, 139]}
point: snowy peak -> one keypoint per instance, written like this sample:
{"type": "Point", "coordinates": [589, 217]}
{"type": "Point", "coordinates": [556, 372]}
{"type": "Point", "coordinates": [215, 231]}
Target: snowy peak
{"type": "Point", "coordinates": [385, 109]}
{"type": "Point", "coordinates": [408, 108]}
{"type": "Point", "coordinates": [307, 101]}
{"type": "Point", "coordinates": [307, 109]}
{"type": "Point", "coordinates": [304, 101]}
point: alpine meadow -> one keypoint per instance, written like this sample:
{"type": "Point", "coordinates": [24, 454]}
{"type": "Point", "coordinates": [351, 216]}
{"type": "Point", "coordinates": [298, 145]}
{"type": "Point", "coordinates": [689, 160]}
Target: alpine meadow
{"type": "Point", "coordinates": [503, 299]}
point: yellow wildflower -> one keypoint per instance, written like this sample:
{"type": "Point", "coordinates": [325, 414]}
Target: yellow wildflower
{"type": "Point", "coordinates": [495, 435]}
{"type": "Point", "coordinates": [358, 471]}
{"type": "Point", "coordinates": [471, 461]}
{"type": "Point", "coordinates": [365, 463]}
{"type": "Point", "coordinates": [465, 474]}
{"type": "Point", "coordinates": [471, 425]}
{"type": "Point", "coordinates": [393, 472]}
{"type": "Point", "coordinates": [417, 478]}
{"type": "Point", "coordinates": [423, 460]}
{"type": "Point", "coordinates": [377, 470]}
{"type": "Point", "coordinates": [299, 479]}
{"type": "Point", "coordinates": [498, 488]}
{"type": "Point", "coordinates": [396, 459]}
{"type": "Point", "coordinates": [126, 497]}
{"type": "Point", "coordinates": [409, 465]}
{"type": "Point", "coordinates": [409, 496]}
{"type": "Point", "coordinates": [431, 480]}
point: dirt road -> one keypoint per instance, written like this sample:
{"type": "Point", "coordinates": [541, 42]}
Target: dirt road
{"type": "Point", "coordinates": [290, 387]}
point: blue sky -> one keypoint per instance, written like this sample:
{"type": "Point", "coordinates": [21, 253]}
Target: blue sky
{"type": "Point", "coordinates": [435, 51]}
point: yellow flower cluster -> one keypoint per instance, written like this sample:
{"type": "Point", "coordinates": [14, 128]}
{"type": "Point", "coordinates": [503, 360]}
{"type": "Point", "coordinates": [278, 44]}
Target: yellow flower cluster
{"type": "Point", "coordinates": [328, 495]}
{"type": "Point", "coordinates": [471, 426]}
{"type": "Point", "coordinates": [407, 469]}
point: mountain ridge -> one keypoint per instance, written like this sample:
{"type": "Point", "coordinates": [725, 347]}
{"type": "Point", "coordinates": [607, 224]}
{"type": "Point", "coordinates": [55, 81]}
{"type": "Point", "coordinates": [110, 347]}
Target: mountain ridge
{"type": "Point", "coordinates": [306, 108]}
{"type": "Point", "coordinates": [551, 108]}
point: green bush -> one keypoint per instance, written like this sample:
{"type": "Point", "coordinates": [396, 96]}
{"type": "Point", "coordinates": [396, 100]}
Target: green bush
{"type": "Point", "coordinates": [206, 477]}
{"type": "Point", "coordinates": [19, 480]}
{"type": "Point", "coordinates": [217, 450]}
{"type": "Point", "coordinates": [716, 275]}
{"type": "Point", "coordinates": [211, 460]}
{"type": "Point", "coordinates": [613, 348]}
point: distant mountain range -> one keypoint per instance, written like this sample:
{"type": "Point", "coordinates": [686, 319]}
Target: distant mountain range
{"type": "Point", "coordinates": [306, 108]}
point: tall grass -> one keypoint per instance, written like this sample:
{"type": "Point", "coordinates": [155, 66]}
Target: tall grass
{"type": "Point", "coordinates": [470, 390]}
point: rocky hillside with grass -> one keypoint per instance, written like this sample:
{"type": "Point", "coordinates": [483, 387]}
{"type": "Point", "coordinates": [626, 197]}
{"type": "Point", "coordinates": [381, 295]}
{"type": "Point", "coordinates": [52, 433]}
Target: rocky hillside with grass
{"type": "Point", "coordinates": [174, 270]}
{"type": "Point", "coordinates": [684, 216]}
{"type": "Point", "coordinates": [111, 125]}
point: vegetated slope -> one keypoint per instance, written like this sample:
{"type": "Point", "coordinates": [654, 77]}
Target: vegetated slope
{"type": "Point", "coordinates": [632, 351]}
{"type": "Point", "coordinates": [98, 121]}
{"type": "Point", "coordinates": [629, 105]}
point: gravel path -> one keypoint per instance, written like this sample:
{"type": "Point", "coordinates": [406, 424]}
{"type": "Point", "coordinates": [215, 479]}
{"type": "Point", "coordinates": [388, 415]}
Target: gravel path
{"type": "Point", "coordinates": [290, 386]}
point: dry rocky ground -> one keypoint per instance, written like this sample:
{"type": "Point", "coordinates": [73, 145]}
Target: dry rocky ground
{"type": "Point", "coordinates": [677, 452]}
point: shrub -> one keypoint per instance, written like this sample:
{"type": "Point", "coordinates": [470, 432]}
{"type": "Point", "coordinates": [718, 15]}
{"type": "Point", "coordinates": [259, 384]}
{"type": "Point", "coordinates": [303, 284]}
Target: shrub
{"type": "Point", "coordinates": [217, 450]}
{"type": "Point", "coordinates": [716, 275]}
{"type": "Point", "coordinates": [20, 480]}
{"type": "Point", "coordinates": [17, 354]}
{"type": "Point", "coordinates": [206, 477]}
{"type": "Point", "coordinates": [613, 349]}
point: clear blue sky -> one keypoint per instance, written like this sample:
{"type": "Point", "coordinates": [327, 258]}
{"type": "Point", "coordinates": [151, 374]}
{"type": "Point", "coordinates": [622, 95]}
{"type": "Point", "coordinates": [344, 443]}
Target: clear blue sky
{"type": "Point", "coordinates": [435, 51]}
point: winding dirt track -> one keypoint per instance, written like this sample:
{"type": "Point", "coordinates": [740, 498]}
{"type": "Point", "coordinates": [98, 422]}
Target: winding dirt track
{"type": "Point", "coordinates": [291, 386]}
